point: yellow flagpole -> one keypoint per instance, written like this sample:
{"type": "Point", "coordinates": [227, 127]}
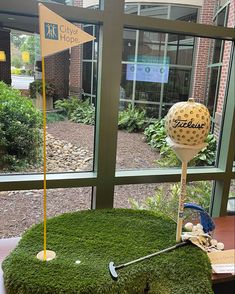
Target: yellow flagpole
{"type": "Point", "coordinates": [44, 161]}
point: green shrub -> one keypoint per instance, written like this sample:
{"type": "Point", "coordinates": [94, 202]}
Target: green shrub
{"type": "Point", "coordinates": [166, 198]}
{"type": "Point", "coordinates": [54, 116]}
{"type": "Point", "coordinates": [16, 71]}
{"type": "Point", "coordinates": [36, 87]}
{"type": "Point", "coordinates": [84, 113]}
{"type": "Point", "coordinates": [156, 137]}
{"type": "Point", "coordinates": [77, 110]}
{"type": "Point", "coordinates": [20, 135]}
{"type": "Point", "coordinates": [132, 119]}
{"type": "Point", "coordinates": [67, 106]}
{"type": "Point", "coordinates": [16, 62]}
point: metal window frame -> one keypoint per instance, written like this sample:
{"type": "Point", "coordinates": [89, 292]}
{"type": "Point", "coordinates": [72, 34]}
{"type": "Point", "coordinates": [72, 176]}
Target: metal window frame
{"type": "Point", "coordinates": [105, 176]}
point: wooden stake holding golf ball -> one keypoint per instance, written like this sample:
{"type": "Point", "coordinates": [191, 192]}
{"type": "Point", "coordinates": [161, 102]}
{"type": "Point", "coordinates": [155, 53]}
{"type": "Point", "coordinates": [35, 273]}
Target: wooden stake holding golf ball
{"type": "Point", "coordinates": [187, 125]}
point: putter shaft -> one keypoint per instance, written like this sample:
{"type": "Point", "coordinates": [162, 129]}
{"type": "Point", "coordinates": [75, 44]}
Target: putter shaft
{"type": "Point", "coordinates": [113, 268]}
{"type": "Point", "coordinates": [151, 255]}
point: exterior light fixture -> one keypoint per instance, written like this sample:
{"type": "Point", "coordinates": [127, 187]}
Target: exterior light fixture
{"type": "Point", "coordinates": [2, 56]}
{"type": "Point", "coordinates": [25, 56]}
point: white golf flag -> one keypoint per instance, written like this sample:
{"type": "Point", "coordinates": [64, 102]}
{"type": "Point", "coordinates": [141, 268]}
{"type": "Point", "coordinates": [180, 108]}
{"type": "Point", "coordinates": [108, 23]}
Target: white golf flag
{"type": "Point", "coordinates": [57, 34]}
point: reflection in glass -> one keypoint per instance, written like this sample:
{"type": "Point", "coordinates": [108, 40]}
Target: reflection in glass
{"type": "Point", "coordinates": [214, 76]}
{"type": "Point", "coordinates": [177, 88]}
{"type": "Point", "coordinates": [129, 44]}
{"type": "Point", "coordinates": [152, 110]}
{"type": "Point", "coordinates": [184, 13]}
{"type": "Point", "coordinates": [131, 9]}
{"type": "Point", "coordinates": [158, 11]}
{"type": "Point", "coordinates": [151, 43]}
{"type": "Point", "coordinates": [148, 91]}
{"type": "Point", "coordinates": [87, 47]}
{"type": "Point", "coordinates": [182, 55]}
{"type": "Point", "coordinates": [126, 89]}
{"type": "Point", "coordinates": [86, 76]}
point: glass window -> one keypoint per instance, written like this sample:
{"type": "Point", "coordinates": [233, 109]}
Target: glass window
{"type": "Point", "coordinates": [231, 199]}
{"type": "Point", "coordinates": [131, 9]}
{"type": "Point", "coordinates": [180, 53]}
{"type": "Point", "coordinates": [212, 95]}
{"type": "Point", "coordinates": [177, 87]}
{"type": "Point", "coordinates": [151, 44]}
{"type": "Point", "coordinates": [86, 76]}
{"type": "Point", "coordinates": [129, 45]}
{"type": "Point", "coordinates": [158, 11]}
{"type": "Point", "coordinates": [148, 91]}
{"type": "Point", "coordinates": [87, 47]}
{"type": "Point", "coordinates": [218, 47]}
{"type": "Point", "coordinates": [184, 13]}
{"type": "Point", "coordinates": [126, 88]}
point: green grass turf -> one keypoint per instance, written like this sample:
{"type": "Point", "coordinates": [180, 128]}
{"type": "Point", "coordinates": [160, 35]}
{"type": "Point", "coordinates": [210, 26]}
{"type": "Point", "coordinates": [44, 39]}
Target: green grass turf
{"type": "Point", "coordinates": [96, 238]}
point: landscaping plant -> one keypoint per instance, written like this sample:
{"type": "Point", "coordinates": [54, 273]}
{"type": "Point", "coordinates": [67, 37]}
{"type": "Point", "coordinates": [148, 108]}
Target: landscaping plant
{"type": "Point", "coordinates": [156, 137]}
{"type": "Point", "coordinates": [166, 199]}
{"type": "Point", "coordinates": [77, 110]}
{"type": "Point", "coordinates": [36, 87]}
{"type": "Point", "coordinates": [132, 119]}
{"type": "Point", "coordinates": [20, 134]}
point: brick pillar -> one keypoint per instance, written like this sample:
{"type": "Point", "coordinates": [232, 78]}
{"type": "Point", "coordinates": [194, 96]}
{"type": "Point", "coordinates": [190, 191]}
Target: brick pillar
{"type": "Point", "coordinates": [5, 67]}
{"type": "Point", "coordinates": [202, 53]}
{"type": "Point", "coordinates": [224, 71]}
{"type": "Point", "coordinates": [75, 81]}
{"type": "Point", "coordinates": [57, 72]}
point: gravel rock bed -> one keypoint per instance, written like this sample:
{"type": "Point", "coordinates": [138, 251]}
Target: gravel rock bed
{"type": "Point", "coordinates": [70, 148]}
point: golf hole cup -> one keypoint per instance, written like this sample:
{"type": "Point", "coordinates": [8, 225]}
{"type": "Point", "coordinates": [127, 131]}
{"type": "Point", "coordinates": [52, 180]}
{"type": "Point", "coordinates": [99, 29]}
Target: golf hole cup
{"type": "Point", "coordinates": [187, 125]}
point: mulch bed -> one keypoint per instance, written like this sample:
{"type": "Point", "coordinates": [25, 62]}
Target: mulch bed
{"type": "Point", "coordinates": [21, 209]}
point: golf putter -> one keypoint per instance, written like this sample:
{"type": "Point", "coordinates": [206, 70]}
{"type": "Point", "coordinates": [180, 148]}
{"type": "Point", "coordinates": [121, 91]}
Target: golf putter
{"type": "Point", "coordinates": [113, 268]}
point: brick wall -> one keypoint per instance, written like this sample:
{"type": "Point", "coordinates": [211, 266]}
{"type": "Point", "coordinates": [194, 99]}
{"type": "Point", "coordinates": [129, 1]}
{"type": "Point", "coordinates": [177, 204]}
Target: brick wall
{"type": "Point", "coordinates": [200, 78]}
{"type": "Point", "coordinates": [57, 72]}
{"type": "Point", "coordinates": [5, 67]}
{"type": "Point", "coordinates": [75, 81]}
{"type": "Point", "coordinates": [224, 70]}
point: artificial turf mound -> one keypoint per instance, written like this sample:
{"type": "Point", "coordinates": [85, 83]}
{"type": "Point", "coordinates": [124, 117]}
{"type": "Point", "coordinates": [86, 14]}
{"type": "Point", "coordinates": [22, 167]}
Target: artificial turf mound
{"type": "Point", "coordinates": [96, 238]}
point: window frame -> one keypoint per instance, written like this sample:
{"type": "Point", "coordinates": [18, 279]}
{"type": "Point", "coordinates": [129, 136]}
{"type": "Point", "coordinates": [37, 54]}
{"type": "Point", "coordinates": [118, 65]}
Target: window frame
{"type": "Point", "coordinates": [104, 177]}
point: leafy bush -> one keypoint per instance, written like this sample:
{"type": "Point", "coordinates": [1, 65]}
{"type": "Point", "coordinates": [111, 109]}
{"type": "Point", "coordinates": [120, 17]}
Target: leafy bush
{"type": "Point", "coordinates": [166, 198]}
{"type": "Point", "coordinates": [16, 71]}
{"type": "Point", "coordinates": [156, 137]}
{"type": "Point", "coordinates": [16, 61]}
{"type": "Point", "coordinates": [132, 119]}
{"type": "Point", "coordinates": [20, 123]}
{"type": "Point", "coordinates": [77, 110]}
{"type": "Point", "coordinates": [54, 116]}
{"type": "Point", "coordinates": [67, 106]}
{"type": "Point", "coordinates": [36, 87]}
{"type": "Point", "coordinates": [84, 113]}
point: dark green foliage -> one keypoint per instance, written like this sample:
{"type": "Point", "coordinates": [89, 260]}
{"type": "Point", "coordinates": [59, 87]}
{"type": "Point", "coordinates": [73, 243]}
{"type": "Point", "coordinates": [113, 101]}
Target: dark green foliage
{"type": "Point", "coordinates": [54, 116]}
{"type": "Point", "coordinates": [166, 198]}
{"type": "Point", "coordinates": [156, 138]}
{"type": "Point", "coordinates": [20, 135]}
{"type": "Point", "coordinates": [36, 87]}
{"type": "Point", "coordinates": [132, 119]}
{"type": "Point", "coordinates": [77, 110]}
{"type": "Point", "coordinates": [84, 113]}
{"type": "Point", "coordinates": [97, 237]}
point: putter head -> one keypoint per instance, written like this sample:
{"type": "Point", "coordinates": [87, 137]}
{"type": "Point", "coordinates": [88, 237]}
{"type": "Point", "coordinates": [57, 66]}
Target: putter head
{"type": "Point", "coordinates": [112, 271]}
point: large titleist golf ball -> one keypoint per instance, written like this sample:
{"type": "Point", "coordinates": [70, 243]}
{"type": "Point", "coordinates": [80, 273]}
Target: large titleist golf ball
{"type": "Point", "coordinates": [188, 123]}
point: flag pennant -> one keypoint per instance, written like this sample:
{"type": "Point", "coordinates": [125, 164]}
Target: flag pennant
{"type": "Point", "coordinates": [57, 34]}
